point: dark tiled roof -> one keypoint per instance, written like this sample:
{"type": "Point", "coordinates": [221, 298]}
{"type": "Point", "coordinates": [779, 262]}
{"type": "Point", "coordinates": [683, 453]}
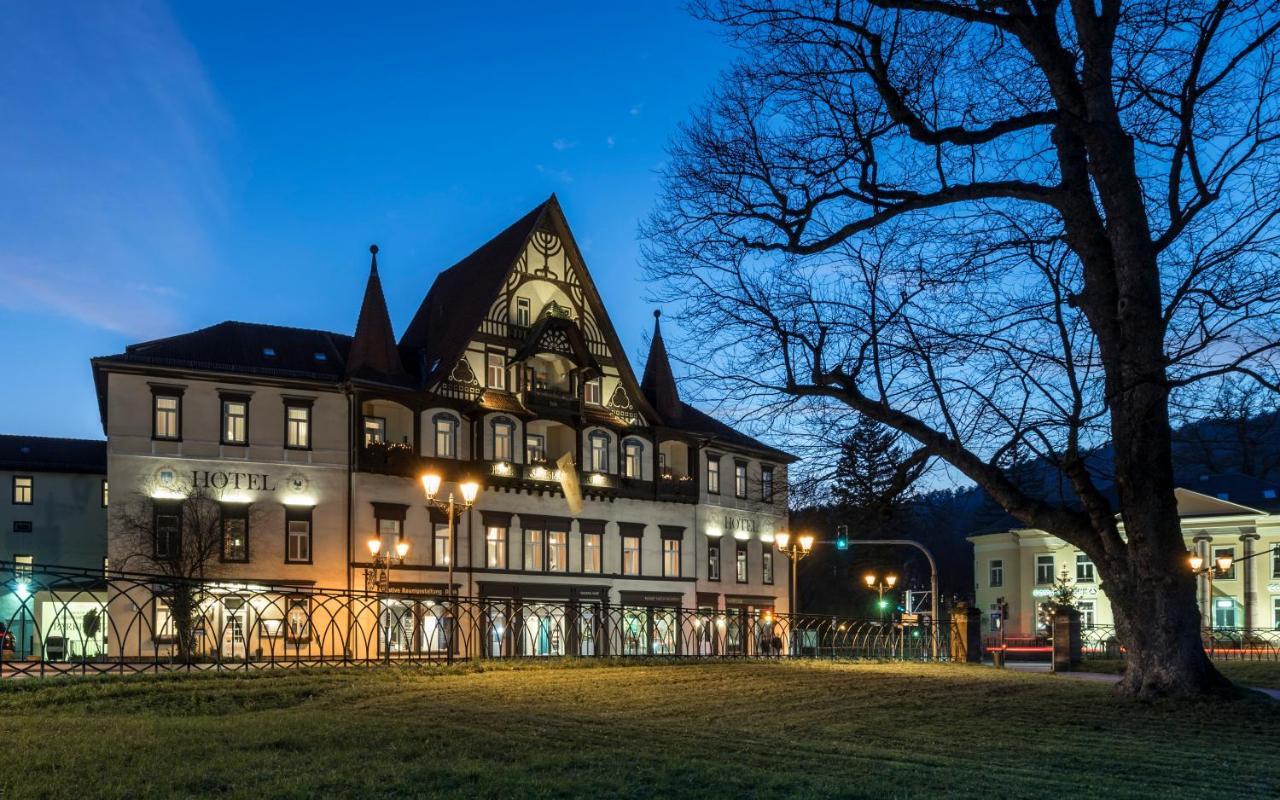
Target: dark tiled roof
{"type": "Point", "coordinates": [1234, 487]}
{"type": "Point", "coordinates": [247, 347]}
{"type": "Point", "coordinates": [43, 454]}
{"type": "Point", "coordinates": [460, 297]}
{"type": "Point", "coordinates": [374, 355]}
{"type": "Point", "coordinates": [696, 422]}
{"type": "Point", "coordinates": [658, 383]}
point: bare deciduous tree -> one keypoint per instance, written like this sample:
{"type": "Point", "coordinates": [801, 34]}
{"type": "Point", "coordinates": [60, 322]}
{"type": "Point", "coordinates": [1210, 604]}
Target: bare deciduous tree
{"type": "Point", "coordinates": [995, 227]}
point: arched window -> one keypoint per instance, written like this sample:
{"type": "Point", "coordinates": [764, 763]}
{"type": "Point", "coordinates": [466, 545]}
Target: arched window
{"type": "Point", "coordinates": [446, 426]}
{"type": "Point", "coordinates": [599, 461]}
{"type": "Point", "coordinates": [504, 435]}
{"type": "Point", "coordinates": [633, 458]}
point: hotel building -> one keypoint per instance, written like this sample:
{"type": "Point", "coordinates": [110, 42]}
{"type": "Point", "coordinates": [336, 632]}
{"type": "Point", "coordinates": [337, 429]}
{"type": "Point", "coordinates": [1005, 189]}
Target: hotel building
{"type": "Point", "coordinates": [314, 442]}
{"type": "Point", "coordinates": [1222, 515]}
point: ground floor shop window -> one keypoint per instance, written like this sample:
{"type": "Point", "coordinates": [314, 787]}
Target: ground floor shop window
{"type": "Point", "coordinates": [1087, 613]}
{"type": "Point", "coordinates": [544, 633]}
{"type": "Point", "coordinates": [1224, 613]}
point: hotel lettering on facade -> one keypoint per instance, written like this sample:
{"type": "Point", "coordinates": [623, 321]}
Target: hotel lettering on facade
{"type": "Point", "coordinates": [311, 443]}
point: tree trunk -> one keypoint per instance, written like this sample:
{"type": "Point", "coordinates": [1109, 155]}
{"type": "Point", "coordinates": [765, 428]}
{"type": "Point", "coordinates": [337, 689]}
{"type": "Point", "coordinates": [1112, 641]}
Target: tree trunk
{"type": "Point", "coordinates": [1158, 623]}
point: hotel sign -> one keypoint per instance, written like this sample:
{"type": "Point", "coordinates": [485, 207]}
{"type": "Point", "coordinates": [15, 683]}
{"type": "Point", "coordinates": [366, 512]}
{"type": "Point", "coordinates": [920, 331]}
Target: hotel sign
{"type": "Point", "coordinates": [743, 524]}
{"type": "Point", "coordinates": [229, 480]}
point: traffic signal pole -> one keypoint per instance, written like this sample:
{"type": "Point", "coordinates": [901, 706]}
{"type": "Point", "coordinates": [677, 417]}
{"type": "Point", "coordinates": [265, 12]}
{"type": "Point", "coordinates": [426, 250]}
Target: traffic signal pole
{"type": "Point", "coordinates": [933, 577]}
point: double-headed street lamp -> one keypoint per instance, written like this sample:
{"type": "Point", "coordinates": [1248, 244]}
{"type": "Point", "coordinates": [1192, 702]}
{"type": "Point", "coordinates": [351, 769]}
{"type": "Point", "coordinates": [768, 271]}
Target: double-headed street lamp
{"type": "Point", "coordinates": [431, 485]}
{"type": "Point", "coordinates": [794, 551]}
{"type": "Point", "coordinates": [880, 585]}
{"type": "Point", "coordinates": [1221, 565]}
{"type": "Point", "coordinates": [378, 577]}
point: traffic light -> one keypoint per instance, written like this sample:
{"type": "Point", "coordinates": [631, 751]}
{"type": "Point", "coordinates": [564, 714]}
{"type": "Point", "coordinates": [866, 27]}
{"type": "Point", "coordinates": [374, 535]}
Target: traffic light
{"type": "Point", "coordinates": [842, 537]}
{"type": "Point", "coordinates": [883, 604]}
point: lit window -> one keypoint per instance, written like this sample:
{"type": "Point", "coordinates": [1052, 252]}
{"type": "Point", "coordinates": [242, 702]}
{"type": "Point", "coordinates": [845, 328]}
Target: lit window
{"type": "Point", "coordinates": [496, 548]}
{"type": "Point", "coordinates": [533, 550]}
{"type": "Point", "coordinates": [1224, 613]}
{"type": "Point", "coordinates": [995, 573]}
{"type": "Point", "coordinates": [766, 484]}
{"type": "Point", "coordinates": [235, 422]}
{"type": "Point", "coordinates": [298, 427]}
{"type": "Point", "coordinates": [1044, 569]}
{"type": "Point", "coordinates": [599, 452]}
{"type": "Point", "coordinates": [713, 475]}
{"type": "Point", "coordinates": [375, 430]}
{"type": "Point", "coordinates": [503, 434]}
{"type": "Point", "coordinates": [557, 551]}
{"type": "Point", "coordinates": [741, 562]}
{"type": "Point", "coordinates": [1275, 612]}
{"type": "Point", "coordinates": [167, 411]}
{"type": "Point", "coordinates": [23, 490]}
{"type": "Point", "coordinates": [496, 370]}
{"type": "Point", "coordinates": [592, 559]}
{"type": "Point", "coordinates": [630, 555]}
{"type": "Point", "coordinates": [299, 619]}
{"type": "Point", "coordinates": [740, 480]}
{"type": "Point", "coordinates": [1084, 569]}
{"type": "Point", "coordinates": [535, 448]}
{"type": "Point", "coordinates": [235, 534]}
{"type": "Point", "coordinates": [104, 494]}
{"type": "Point", "coordinates": [440, 545]}
{"type": "Point", "coordinates": [766, 565]}
{"type": "Point", "coordinates": [1275, 561]}
{"type": "Point", "coordinates": [1088, 616]}
{"type": "Point", "coordinates": [298, 546]}
{"type": "Point", "coordinates": [671, 558]}
{"type": "Point", "coordinates": [634, 465]}
{"type": "Point", "coordinates": [446, 436]}
{"type": "Point", "coordinates": [591, 392]}
{"type": "Point", "coordinates": [713, 561]}
{"type": "Point", "coordinates": [22, 565]}
{"type": "Point", "coordinates": [522, 311]}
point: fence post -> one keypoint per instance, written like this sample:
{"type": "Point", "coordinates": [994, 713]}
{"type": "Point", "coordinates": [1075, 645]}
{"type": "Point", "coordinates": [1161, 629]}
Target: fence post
{"type": "Point", "coordinates": [1066, 639]}
{"type": "Point", "coordinates": [966, 633]}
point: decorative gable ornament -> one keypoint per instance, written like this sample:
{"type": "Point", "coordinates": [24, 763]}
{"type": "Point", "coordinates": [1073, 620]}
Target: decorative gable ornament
{"type": "Point", "coordinates": [463, 373]}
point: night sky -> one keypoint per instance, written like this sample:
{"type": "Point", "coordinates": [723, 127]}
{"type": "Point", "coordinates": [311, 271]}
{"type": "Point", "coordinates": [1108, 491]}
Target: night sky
{"type": "Point", "coordinates": [166, 168]}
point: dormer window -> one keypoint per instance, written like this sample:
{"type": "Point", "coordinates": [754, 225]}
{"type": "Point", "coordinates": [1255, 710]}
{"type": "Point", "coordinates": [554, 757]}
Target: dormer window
{"type": "Point", "coordinates": [496, 370]}
{"type": "Point", "coordinates": [591, 392]}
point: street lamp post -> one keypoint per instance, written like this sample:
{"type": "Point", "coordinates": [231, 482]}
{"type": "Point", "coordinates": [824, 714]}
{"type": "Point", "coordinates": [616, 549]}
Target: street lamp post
{"type": "Point", "coordinates": [431, 486]}
{"type": "Point", "coordinates": [880, 585]}
{"type": "Point", "coordinates": [794, 551]}
{"type": "Point", "coordinates": [1221, 565]}
{"type": "Point", "coordinates": [378, 577]}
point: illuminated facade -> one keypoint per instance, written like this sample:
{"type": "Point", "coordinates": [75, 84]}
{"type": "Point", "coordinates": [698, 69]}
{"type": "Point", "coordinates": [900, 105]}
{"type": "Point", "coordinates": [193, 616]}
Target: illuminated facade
{"type": "Point", "coordinates": [315, 442]}
{"type": "Point", "coordinates": [1222, 515]}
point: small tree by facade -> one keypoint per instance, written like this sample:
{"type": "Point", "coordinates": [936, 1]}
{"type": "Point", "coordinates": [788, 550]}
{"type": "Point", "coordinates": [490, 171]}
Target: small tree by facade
{"type": "Point", "coordinates": [184, 534]}
{"type": "Point", "coordinates": [993, 227]}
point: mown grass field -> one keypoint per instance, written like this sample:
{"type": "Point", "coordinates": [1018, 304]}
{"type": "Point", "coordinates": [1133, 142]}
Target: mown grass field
{"type": "Point", "coordinates": [1260, 674]}
{"type": "Point", "coordinates": [728, 729]}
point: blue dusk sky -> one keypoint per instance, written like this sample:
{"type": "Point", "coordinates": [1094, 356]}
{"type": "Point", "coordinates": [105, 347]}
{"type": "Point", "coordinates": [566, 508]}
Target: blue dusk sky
{"type": "Point", "coordinates": [169, 167]}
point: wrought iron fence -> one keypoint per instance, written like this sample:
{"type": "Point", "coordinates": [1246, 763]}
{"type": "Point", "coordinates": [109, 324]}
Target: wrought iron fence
{"type": "Point", "coordinates": [1101, 641]}
{"type": "Point", "coordinates": [73, 621]}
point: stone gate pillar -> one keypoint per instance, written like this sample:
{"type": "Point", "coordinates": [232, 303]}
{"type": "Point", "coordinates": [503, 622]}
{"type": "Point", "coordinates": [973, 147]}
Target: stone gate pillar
{"type": "Point", "coordinates": [1067, 649]}
{"type": "Point", "coordinates": [966, 633]}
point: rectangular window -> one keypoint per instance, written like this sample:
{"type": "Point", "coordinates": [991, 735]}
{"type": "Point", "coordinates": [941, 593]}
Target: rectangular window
{"type": "Point", "coordinates": [599, 452]}
{"type": "Point", "coordinates": [557, 551]}
{"type": "Point", "coordinates": [535, 448]}
{"type": "Point", "coordinates": [440, 544]}
{"type": "Point", "coordinates": [1084, 569]}
{"type": "Point", "coordinates": [523, 315]}
{"type": "Point", "coordinates": [297, 427]}
{"type": "Point", "coordinates": [22, 565]}
{"type": "Point", "coordinates": [298, 540]}
{"type": "Point", "coordinates": [235, 533]}
{"type": "Point", "coordinates": [167, 417]}
{"type": "Point", "coordinates": [375, 430]}
{"type": "Point", "coordinates": [495, 370]}
{"type": "Point", "coordinates": [633, 466]}
{"type": "Point", "coordinates": [104, 494]}
{"type": "Point", "coordinates": [766, 484]}
{"type": "Point", "coordinates": [592, 552]}
{"type": "Point", "coordinates": [22, 526]}
{"type": "Point", "coordinates": [741, 563]}
{"type": "Point", "coordinates": [1220, 552]}
{"type": "Point", "coordinates": [766, 564]}
{"type": "Point", "coordinates": [1044, 569]}
{"type": "Point", "coordinates": [495, 548]}
{"type": "Point", "coordinates": [740, 480]}
{"type": "Point", "coordinates": [168, 534]}
{"type": "Point", "coordinates": [235, 422]}
{"type": "Point", "coordinates": [390, 530]}
{"type": "Point", "coordinates": [1275, 612]}
{"type": "Point", "coordinates": [23, 490]}
{"type": "Point", "coordinates": [533, 550]}
{"type": "Point", "coordinates": [446, 437]}
{"type": "Point", "coordinates": [630, 555]}
{"type": "Point", "coordinates": [671, 558]}
{"type": "Point", "coordinates": [502, 435]}
{"type": "Point", "coordinates": [1275, 561]}
{"type": "Point", "coordinates": [591, 392]}
{"type": "Point", "coordinates": [1088, 614]}
{"type": "Point", "coordinates": [1224, 613]}
{"type": "Point", "coordinates": [713, 475]}
{"type": "Point", "coordinates": [995, 573]}
{"type": "Point", "coordinates": [713, 561]}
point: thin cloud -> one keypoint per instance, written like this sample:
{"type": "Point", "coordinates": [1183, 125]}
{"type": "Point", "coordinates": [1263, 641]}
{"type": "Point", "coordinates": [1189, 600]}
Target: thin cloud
{"type": "Point", "coordinates": [559, 174]}
{"type": "Point", "coordinates": [636, 109]}
{"type": "Point", "coordinates": [609, 142]}
{"type": "Point", "coordinates": [563, 144]}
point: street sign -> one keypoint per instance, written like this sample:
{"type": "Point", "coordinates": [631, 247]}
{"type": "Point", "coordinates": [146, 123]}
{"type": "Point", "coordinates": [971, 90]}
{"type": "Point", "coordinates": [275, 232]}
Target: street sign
{"type": "Point", "coordinates": [910, 619]}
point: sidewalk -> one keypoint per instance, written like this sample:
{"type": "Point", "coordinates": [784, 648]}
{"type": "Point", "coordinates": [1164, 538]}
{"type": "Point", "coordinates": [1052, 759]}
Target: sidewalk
{"type": "Point", "coordinates": [1101, 677]}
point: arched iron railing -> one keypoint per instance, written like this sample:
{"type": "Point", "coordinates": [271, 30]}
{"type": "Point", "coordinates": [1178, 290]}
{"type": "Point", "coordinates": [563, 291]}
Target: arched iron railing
{"type": "Point", "coordinates": [74, 621]}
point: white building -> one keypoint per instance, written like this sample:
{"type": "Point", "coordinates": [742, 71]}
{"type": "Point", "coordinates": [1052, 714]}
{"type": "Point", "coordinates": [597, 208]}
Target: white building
{"type": "Point", "coordinates": [510, 362]}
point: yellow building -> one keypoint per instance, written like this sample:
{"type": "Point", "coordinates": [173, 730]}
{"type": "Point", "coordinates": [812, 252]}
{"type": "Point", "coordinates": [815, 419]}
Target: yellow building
{"type": "Point", "coordinates": [1222, 515]}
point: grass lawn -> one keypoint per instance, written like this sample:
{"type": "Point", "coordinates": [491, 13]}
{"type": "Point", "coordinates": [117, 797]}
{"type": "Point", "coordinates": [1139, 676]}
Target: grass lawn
{"type": "Point", "coordinates": [721, 729]}
{"type": "Point", "coordinates": [1260, 674]}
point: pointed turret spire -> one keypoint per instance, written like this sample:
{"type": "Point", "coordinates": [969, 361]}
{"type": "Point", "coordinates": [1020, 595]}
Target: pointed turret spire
{"type": "Point", "coordinates": [373, 349]}
{"type": "Point", "coordinates": [659, 384]}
